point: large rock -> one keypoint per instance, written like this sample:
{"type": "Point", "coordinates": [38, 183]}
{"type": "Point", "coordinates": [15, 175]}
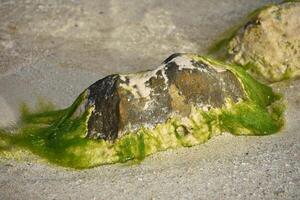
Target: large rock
{"type": "Point", "coordinates": [184, 102]}
{"type": "Point", "coordinates": [125, 103]}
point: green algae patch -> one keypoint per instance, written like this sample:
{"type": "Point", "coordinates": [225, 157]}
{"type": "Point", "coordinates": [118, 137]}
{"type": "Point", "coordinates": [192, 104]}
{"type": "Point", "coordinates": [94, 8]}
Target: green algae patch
{"type": "Point", "coordinates": [59, 136]}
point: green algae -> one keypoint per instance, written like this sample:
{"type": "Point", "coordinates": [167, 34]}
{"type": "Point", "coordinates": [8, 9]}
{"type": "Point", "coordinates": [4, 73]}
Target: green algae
{"type": "Point", "coordinates": [58, 136]}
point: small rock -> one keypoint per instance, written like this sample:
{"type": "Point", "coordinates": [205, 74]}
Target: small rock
{"type": "Point", "coordinates": [270, 43]}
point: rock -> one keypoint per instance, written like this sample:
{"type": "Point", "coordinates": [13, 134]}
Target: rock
{"type": "Point", "coordinates": [184, 102]}
{"type": "Point", "coordinates": [124, 103]}
{"type": "Point", "coordinates": [269, 44]}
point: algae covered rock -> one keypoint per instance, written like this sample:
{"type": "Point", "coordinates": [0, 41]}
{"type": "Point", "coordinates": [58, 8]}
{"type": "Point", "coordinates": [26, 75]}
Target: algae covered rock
{"type": "Point", "coordinates": [269, 44]}
{"type": "Point", "coordinates": [124, 103]}
{"type": "Point", "coordinates": [183, 102]}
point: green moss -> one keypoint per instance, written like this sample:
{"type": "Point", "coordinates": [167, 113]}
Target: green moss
{"type": "Point", "coordinates": [249, 119]}
{"type": "Point", "coordinates": [291, 1]}
{"type": "Point", "coordinates": [59, 136]}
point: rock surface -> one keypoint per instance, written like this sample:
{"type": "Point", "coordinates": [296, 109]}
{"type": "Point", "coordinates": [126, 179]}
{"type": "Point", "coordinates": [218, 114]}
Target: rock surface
{"type": "Point", "coordinates": [126, 103]}
{"type": "Point", "coordinates": [271, 43]}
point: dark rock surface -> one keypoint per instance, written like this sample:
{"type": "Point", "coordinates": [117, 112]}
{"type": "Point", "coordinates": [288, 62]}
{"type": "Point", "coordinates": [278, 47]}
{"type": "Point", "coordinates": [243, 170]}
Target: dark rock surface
{"type": "Point", "coordinates": [105, 118]}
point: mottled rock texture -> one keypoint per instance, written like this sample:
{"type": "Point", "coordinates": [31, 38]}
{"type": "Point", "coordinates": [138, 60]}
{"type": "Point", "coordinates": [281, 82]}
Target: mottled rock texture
{"type": "Point", "coordinates": [125, 103]}
{"type": "Point", "coordinates": [269, 44]}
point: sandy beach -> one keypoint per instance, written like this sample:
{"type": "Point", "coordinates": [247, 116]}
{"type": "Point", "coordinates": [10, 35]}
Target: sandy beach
{"type": "Point", "coordinates": [52, 50]}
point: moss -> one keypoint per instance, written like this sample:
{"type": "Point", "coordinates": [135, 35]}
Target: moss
{"type": "Point", "coordinates": [59, 137]}
{"type": "Point", "coordinates": [248, 119]}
